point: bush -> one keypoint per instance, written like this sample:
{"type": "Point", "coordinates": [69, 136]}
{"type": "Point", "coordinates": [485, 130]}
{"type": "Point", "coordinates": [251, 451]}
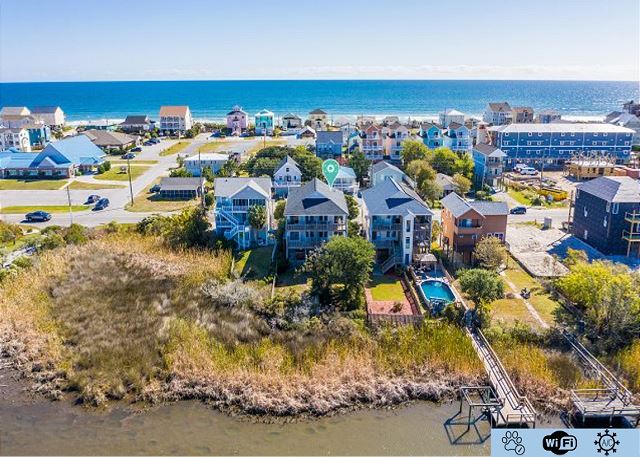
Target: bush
{"type": "Point", "coordinates": [75, 234]}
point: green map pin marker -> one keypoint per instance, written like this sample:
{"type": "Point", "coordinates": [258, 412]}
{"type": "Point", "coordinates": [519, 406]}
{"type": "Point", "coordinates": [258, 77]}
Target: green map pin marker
{"type": "Point", "coordinates": [330, 169]}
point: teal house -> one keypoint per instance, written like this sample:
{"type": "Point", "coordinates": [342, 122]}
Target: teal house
{"type": "Point", "coordinates": [264, 122]}
{"type": "Point", "coordinates": [431, 135]}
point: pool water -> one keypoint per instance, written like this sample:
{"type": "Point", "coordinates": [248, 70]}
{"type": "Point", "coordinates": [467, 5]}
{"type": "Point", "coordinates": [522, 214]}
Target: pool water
{"type": "Point", "coordinates": [437, 290]}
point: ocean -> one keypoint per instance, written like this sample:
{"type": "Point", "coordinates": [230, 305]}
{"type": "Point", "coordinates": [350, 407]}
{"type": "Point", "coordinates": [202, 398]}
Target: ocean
{"type": "Point", "coordinates": [211, 100]}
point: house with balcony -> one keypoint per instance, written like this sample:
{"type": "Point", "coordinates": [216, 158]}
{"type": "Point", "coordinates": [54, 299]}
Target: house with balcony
{"type": "Point", "coordinates": [372, 142]}
{"type": "Point", "coordinates": [346, 181]}
{"type": "Point", "coordinates": [286, 175]}
{"type": "Point", "coordinates": [398, 223]}
{"type": "Point", "coordinates": [175, 120]}
{"type": "Point", "coordinates": [457, 138]}
{"type": "Point", "coordinates": [291, 122]}
{"type": "Point", "coordinates": [464, 223]}
{"type": "Point", "coordinates": [264, 122]}
{"type": "Point", "coordinates": [488, 163]}
{"type": "Point", "coordinates": [547, 116]}
{"type": "Point", "coordinates": [237, 120]}
{"type": "Point", "coordinates": [314, 213]}
{"type": "Point", "coordinates": [329, 144]}
{"type": "Point", "coordinates": [53, 116]}
{"type": "Point", "coordinates": [385, 170]}
{"type": "Point", "coordinates": [522, 115]}
{"type": "Point", "coordinates": [136, 123]}
{"type": "Point", "coordinates": [606, 215]}
{"type": "Point", "coordinates": [431, 135]}
{"type": "Point", "coordinates": [497, 113]}
{"type": "Point", "coordinates": [233, 199]}
{"type": "Point", "coordinates": [15, 138]}
{"type": "Point", "coordinates": [213, 160]}
{"type": "Point", "coordinates": [448, 116]}
{"type": "Point", "coordinates": [394, 135]}
{"type": "Point", "coordinates": [318, 119]}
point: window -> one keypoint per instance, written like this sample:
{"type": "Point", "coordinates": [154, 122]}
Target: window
{"type": "Point", "coordinates": [408, 225]}
{"type": "Point", "coordinates": [615, 208]}
{"type": "Point", "coordinates": [407, 242]}
{"type": "Point", "coordinates": [586, 234]}
{"type": "Point", "coordinates": [586, 212]}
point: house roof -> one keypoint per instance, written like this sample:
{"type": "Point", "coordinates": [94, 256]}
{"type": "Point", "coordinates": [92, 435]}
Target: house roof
{"type": "Point", "coordinates": [264, 112]}
{"type": "Point", "coordinates": [77, 150]}
{"type": "Point", "coordinates": [207, 156]}
{"type": "Point", "coordinates": [455, 126]}
{"type": "Point", "coordinates": [170, 110]}
{"type": "Point", "coordinates": [522, 109]}
{"type": "Point", "coordinates": [136, 119]}
{"type": "Point", "coordinates": [500, 107]}
{"type": "Point", "coordinates": [489, 150]}
{"type": "Point", "coordinates": [394, 198]}
{"type": "Point", "coordinates": [291, 116]}
{"type": "Point", "coordinates": [328, 136]}
{"type": "Point", "coordinates": [318, 111]}
{"type": "Point", "coordinates": [290, 162]}
{"type": "Point", "coordinates": [14, 111]}
{"type": "Point", "coordinates": [228, 187]}
{"type": "Point", "coordinates": [458, 206]}
{"type": "Point", "coordinates": [236, 110]}
{"type": "Point", "coordinates": [315, 198]}
{"type": "Point", "coordinates": [445, 181]}
{"type": "Point", "coordinates": [346, 173]}
{"type": "Point", "coordinates": [180, 184]}
{"type": "Point", "coordinates": [590, 127]}
{"type": "Point", "coordinates": [615, 189]}
{"type": "Point", "coordinates": [384, 165]}
{"type": "Point", "coordinates": [452, 112]}
{"type": "Point", "coordinates": [107, 138]}
{"type": "Point", "coordinates": [45, 109]}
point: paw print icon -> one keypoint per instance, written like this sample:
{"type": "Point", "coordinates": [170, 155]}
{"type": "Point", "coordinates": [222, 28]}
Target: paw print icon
{"type": "Point", "coordinates": [512, 442]}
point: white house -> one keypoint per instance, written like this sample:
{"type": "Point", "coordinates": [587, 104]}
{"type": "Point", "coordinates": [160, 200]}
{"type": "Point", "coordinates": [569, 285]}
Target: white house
{"type": "Point", "coordinates": [53, 116]}
{"type": "Point", "coordinates": [287, 174]}
{"type": "Point", "coordinates": [175, 119]}
{"type": "Point", "coordinates": [497, 113]}
{"type": "Point", "coordinates": [17, 138]}
{"type": "Point", "coordinates": [318, 119]}
{"type": "Point", "coordinates": [215, 161]}
{"type": "Point", "coordinates": [448, 116]}
{"type": "Point", "coordinates": [346, 181]}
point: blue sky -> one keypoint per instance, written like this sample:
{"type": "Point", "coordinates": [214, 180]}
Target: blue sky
{"type": "Point", "coordinates": [73, 40]}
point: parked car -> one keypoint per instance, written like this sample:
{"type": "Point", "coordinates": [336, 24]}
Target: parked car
{"type": "Point", "coordinates": [128, 155]}
{"type": "Point", "coordinates": [528, 171]}
{"type": "Point", "coordinates": [155, 188]}
{"type": "Point", "coordinates": [102, 204]}
{"type": "Point", "coordinates": [136, 149]}
{"type": "Point", "coordinates": [92, 199]}
{"type": "Point", "coordinates": [155, 140]}
{"type": "Point", "coordinates": [38, 216]}
{"type": "Point", "coordinates": [148, 143]}
{"type": "Point", "coordinates": [518, 210]}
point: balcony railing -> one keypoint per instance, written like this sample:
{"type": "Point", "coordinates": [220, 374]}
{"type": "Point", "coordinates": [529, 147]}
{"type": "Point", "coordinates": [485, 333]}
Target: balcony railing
{"type": "Point", "coordinates": [386, 226]}
{"type": "Point", "coordinates": [631, 236]}
{"type": "Point", "coordinates": [633, 217]}
{"type": "Point", "coordinates": [316, 226]}
{"type": "Point", "coordinates": [305, 243]}
{"type": "Point", "coordinates": [467, 230]}
{"type": "Point", "coordinates": [385, 243]}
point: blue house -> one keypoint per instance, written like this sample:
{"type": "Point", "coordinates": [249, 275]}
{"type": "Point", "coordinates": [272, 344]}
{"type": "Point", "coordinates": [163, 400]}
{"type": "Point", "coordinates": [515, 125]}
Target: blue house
{"type": "Point", "coordinates": [39, 134]}
{"type": "Point", "coordinates": [487, 165]}
{"type": "Point", "coordinates": [431, 135]}
{"type": "Point", "coordinates": [329, 144]}
{"type": "Point", "coordinates": [607, 215]}
{"type": "Point", "coordinates": [457, 138]}
{"type": "Point", "coordinates": [264, 122]}
{"type": "Point", "coordinates": [554, 144]}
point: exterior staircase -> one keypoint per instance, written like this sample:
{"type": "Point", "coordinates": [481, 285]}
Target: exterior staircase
{"type": "Point", "coordinates": [391, 262]}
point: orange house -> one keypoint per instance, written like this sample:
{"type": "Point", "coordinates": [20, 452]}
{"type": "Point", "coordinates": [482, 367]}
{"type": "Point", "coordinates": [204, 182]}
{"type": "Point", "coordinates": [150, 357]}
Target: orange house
{"type": "Point", "coordinates": [464, 223]}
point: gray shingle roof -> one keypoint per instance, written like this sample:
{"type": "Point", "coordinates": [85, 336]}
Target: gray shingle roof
{"type": "Point", "coordinates": [136, 119]}
{"type": "Point", "coordinates": [458, 206]}
{"type": "Point", "coordinates": [318, 111]}
{"type": "Point", "coordinates": [179, 184]}
{"type": "Point", "coordinates": [615, 189]}
{"type": "Point", "coordinates": [325, 136]}
{"type": "Point", "coordinates": [315, 198]}
{"type": "Point", "coordinates": [445, 181]}
{"type": "Point", "coordinates": [489, 150]}
{"type": "Point", "coordinates": [288, 161]}
{"type": "Point", "coordinates": [107, 138]}
{"type": "Point", "coordinates": [383, 165]}
{"type": "Point", "coordinates": [500, 107]}
{"type": "Point", "coordinates": [227, 187]}
{"type": "Point", "coordinates": [392, 198]}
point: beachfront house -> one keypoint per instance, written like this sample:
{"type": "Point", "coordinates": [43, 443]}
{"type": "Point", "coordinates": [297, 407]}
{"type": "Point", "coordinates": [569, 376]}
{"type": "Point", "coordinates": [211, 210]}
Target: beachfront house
{"type": "Point", "coordinates": [214, 160]}
{"type": "Point", "coordinates": [497, 113]}
{"type": "Point", "coordinates": [397, 221]}
{"type": "Point", "coordinates": [372, 141]}
{"type": "Point", "coordinates": [329, 144]}
{"type": "Point", "coordinates": [488, 163]}
{"type": "Point", "coordinates": [394, 135]}
{"type": "Point", "coordinates": [233, 199]}
{"type": "Point", "coordinates": [607, 215]}
{"type": "Point", "coordinates": [286, 175]}
{"type": "Point", "coordinates": [457, 138]}
{"type": "Point", "coordinates": [318, 120]}
{"type": "Point", "coordinates": [448, 116]}
{"type": "Point", "coordinates": [464, 223]}
{"type": "Point", "coordinates": [16, 138]}
{"type": "Point", "coordinates": [314, 213]}
{"type": "Point", "coordinates": [136, 123]}
{"type": "Point", "coordinates": [8, 112]}
{"type": "Point", "coordinates": [264, 122]}
{"type": "Point", "coordinates": [53, 116]}
{"type": "Point", "coordinates": [237, 121]}
{"type": "Point", "coordinates": [628, 120]}
{"type": "Point", "coordinates": [522, 115]}
{"type": "Point", "coordinates": [385, 170]}
{"type": "Point", "coordinates": [107, 140]}
{"type": "Point", "coordinates": [175, 120]}
{"type": "Point", "coordinates": [551, 145]}
{"type": "Point", "coordinates": [291, 122]}
{"type": "Point", "coordinates": [59, 159]}
{"type": "Point", "coordinates": [431, 135]}
{"type": "Point", "coordinates": [548, 116]}
{"type": "Point", "coordinates": [346, 181]}
{"type": "Point", "coordinates": [180, 188]}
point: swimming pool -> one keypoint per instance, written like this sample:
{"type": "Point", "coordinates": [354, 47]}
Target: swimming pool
{"type": "Point", "coordinates": [437, 290]}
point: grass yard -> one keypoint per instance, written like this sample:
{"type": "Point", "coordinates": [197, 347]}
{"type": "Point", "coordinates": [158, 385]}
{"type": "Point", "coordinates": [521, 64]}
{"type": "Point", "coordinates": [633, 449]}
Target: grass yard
{"type": "Point", "coordinates": [540, 299]}
{"type": "Point", "coordinates": [146, 202]}
{"type": "Point", "coordinates": [292, 282]}
{"type": "Point", "coordinates": [32, 184]}
{"type": "Point", "coordinates": [116, 175]}
{"type": "Point", "coordinates": [386, 288]}
{"type": "Point", "coordinates": [81, 185]}
{"type": "Point", "coordinates": [523, 199]}
{"type": "Point", "coordinates": [211, 146]}
{"type": "Point", "coordinates": [48, 209]}
{"type": "Point", "coordinates": [260, 145]}
{"type": "Point", "coordinates": [512, 310]}
{"type": "Point", "coordinates": [254, 263]}
{"type": "Point", "coordinates": [179, 146]}
{"type": "Point", "coordinates": [133, 162]}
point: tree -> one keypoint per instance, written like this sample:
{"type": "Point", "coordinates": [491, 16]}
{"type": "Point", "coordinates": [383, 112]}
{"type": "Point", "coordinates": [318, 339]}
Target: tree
{"type": "Point", "coordinates": [464, 165]}
{"type": "Point", "coordinates": [208, 174]}
{"type": "Point", "coordinates": [490, 253]}
{"type": "Point", "coordinates": [9, 233]}
{"type": "Point", "coordinates": [483, 287]}
{"type": "Point", "coordinates": [189, 228]}
{"type": "Point", "coordinates": [430, 190]}
{"type": "Point", "coordinates": [278, 212]}
{"type": "Point", "coordinates": [352, 204]}
{"type": "Point", "coordinates": [444, 161]}
{"type": "Point", "coordinates": [341, 266]}
{"type": "Point", "coordinates": [180, 173]}
{"type": "Point", "coordinates": [462, 185]}
{"type": "Point", "coordinates": [257, 217]}
{"type": "Point", "coordinates": [228, 169]}
{"type": "Point", "coordinates": [414, 150]}
{"type": "Point", "coordinates": [360, 165]}
{"type": "Point", "coordinates": [420, 171]}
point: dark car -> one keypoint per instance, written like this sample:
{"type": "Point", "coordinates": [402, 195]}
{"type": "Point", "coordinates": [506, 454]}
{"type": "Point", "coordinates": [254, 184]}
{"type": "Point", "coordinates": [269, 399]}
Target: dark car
{"type": "Point", "coordinates": [155, 140]}
{"type": "Point", "coordinates": [155, 188]}
{"type": "Point", "coordinates": [128, 155]}
{"type": "Point", "coordinates": [148, 143]}
{"type": "Point", "coordinates": [102, 204]}
{"type": "Point", "coordinates": [38, 216]}
{"type": "Point", "coordinates": [136, 149]}
{"type": "Point", "coordinates": [92, 199]}
{"type": "Point", "coordinates": [518, 210]}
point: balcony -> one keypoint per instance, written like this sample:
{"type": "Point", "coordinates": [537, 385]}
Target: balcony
{"type": "Point", "coordinates": [385, 243]}
{"type": "Point", "coordinates": [329, 226]}
{"type": "Point", "coordinates": [633, 217]}
{"type": "Point", "coordinates": [468, 230]}
{"type": "Point", "coordinates": [386, 226]}
{"type": "Point", "coordinates": [631, 236]}
{"type": "Point", "coordinates": [305, 243]}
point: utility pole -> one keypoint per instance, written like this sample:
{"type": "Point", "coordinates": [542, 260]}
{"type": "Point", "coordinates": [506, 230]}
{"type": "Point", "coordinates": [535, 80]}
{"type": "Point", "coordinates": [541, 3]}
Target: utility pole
{"type": "Point", "coordinates": [69, 201]}
{"type": "Point", "coordinates": [130, 185]}
{"type": "Point", "coordinates": [201, 180]}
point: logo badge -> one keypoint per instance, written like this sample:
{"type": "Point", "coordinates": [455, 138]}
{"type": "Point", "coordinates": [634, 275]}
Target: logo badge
{"type": "Point", "coordinates": [513, 442]}
{"type": "Point", "coordinates": [559, 442]}
{"type": "Point", "coordinates": [606, 442]}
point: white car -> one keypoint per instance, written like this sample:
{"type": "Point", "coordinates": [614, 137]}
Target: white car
{"type": "Point", "coordinates": [528, 171]}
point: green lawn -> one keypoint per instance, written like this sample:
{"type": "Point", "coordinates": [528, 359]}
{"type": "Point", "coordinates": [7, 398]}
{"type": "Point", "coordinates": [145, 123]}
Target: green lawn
{"type": "Point", "coordinates": [133, 162]}
{"type": "Point", "coordinates": [179, 146]}
{"type": "Point", "coordinates": [211, 146]}
{"type": "Point", "coordinates": [80, 185]}
{"type": "Point", "coordinates": [254, 263]}
{"type": "Point", "coordinates": [291, 281]}
{"type": "Point", "coordinates": [48, 209]}
{"type": "Point", "coordinates": [116, 175]}
{"type": "Point", "coordinates": [540, 299]}
{"type": "Point", "coordinates": [31, 184]}
{"type": "Point", "coordinates": [522, 198]}
{"type": "Point", "coordinates": [146, 202]}
{"type": "Point", "coordinates": [386, 288]}
{"type": "Point", "coordinates": [510, 310]}
{"type": "Point", "coordinates": [21, 242]}
{"type": "Point", "coordinates": [260, 145]}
